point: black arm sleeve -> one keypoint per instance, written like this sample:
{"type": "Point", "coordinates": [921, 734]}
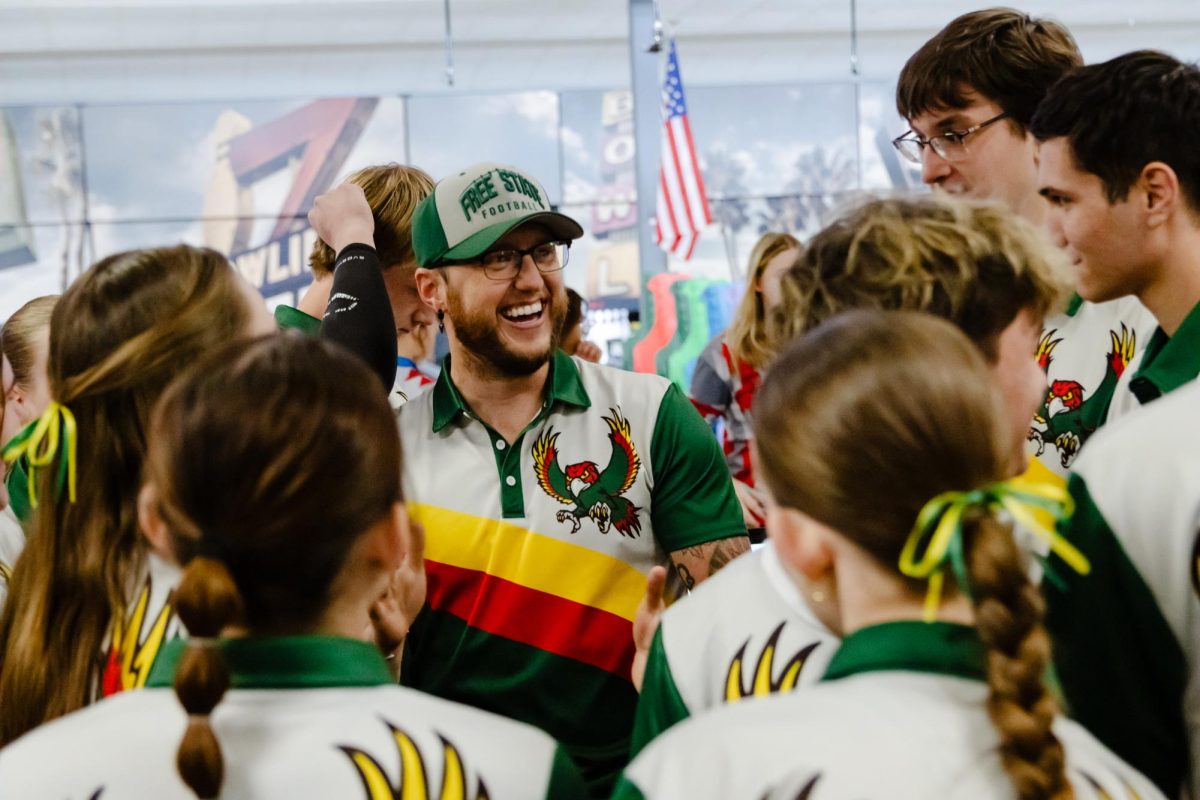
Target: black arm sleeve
{"type": "Point", "coordinates": [359, 314]}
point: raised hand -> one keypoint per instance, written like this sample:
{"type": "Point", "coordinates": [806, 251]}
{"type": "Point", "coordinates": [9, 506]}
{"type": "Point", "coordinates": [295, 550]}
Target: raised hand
{"type": "Point", "coordinates": [342, 217]}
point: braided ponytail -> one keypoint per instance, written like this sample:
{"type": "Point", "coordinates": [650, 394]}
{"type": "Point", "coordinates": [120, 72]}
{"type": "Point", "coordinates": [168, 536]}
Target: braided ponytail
{"type": "Point", "coordinates": [1008, 616]}
{"type": "Point", "coordinates": [207, 601]}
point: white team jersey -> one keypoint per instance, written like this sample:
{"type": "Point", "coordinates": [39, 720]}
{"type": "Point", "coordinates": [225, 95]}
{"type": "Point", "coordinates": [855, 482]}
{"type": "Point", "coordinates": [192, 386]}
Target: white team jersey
{"type": "Point", "coordinates": [1138, 490]}
{"type": "Point", "coordinates": [150, 623]}
{"type": "Point", "coordinates": [12, 542]}
{"type": "Point", "coordinates": [1085, 354]}
{"type": "Point", "coordinates": [375, 742]}
{"type": "Point", "coordinates": [895, 733]}
{"type": "Point", "coordinates": [745, 632]}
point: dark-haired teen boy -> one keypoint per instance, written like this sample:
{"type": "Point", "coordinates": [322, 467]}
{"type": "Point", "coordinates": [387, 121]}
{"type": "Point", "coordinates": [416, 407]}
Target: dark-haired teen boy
{"type": "Point", "coordinates": [1121, 171]}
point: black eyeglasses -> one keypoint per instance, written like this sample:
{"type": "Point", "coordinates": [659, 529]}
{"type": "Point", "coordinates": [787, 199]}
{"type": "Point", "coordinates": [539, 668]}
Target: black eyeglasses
{"type": "Point", "coordinates": [504, 265]}
{"type": "Point", "coordinates": [951, 145]}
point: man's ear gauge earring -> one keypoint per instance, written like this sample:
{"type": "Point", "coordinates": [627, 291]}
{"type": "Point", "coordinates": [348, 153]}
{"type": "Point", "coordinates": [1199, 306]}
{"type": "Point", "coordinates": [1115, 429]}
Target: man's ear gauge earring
{"type": "Point", "coordinates": [441, 315]}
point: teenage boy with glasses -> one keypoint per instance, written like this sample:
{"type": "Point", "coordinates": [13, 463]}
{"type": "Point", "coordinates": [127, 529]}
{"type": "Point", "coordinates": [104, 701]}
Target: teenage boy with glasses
{"type": "Point", "coordinates": [549, 486]}
{"type": "Point", "coordinates": [969, 94]}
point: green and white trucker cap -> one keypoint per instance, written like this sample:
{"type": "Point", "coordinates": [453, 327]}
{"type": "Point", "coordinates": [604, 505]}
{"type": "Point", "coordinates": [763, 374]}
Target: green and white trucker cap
{"type": "Point", "coordinates": [469, 211]}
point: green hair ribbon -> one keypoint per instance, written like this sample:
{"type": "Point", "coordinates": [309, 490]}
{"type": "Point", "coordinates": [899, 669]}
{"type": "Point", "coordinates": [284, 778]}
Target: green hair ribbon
{"type": "Point", "coordinates": [39, 444]}
{"type": "Point", "coordinates": [936, 538]}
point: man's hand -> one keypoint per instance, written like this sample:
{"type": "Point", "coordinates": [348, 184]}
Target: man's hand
{"type": "Point", "coordinates": [754, 504]}
{"type": "Point", "coordinates": [342, 217]}
{"type": "Point", "coordinates": [392, 614]}
{"type": "Point", "coordinates": [645, 623]}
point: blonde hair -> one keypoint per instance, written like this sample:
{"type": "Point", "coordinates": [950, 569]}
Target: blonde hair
{"type": "Point", "coordinates": [119, 334]}
{"type": "Point", "coordinates": [975, 264]}
{"type": "Point", "coordinates": [19, 337]}
{"type": "Point", "coordinates": [747, 336]}
{"type": "Point", "coordinates": [872, 415]}
{"type": "Point", "coordinates": [393, 192]}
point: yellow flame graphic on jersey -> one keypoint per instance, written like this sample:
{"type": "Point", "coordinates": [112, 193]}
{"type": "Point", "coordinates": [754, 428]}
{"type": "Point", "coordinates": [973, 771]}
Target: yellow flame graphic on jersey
{"type": "Point", "coordinates": [5, 571]}
{"type": "Point", "coordinates": [413, 784]}
{"type": "Point", "coordinates": [765, 682]}
{"type": "Point", "coordinates": [136, 652]}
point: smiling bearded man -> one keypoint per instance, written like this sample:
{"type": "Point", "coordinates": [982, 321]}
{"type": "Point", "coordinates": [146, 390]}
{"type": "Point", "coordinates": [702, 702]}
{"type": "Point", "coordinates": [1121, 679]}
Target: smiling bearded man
{"type": "Point", "coordinates": [549, 485]}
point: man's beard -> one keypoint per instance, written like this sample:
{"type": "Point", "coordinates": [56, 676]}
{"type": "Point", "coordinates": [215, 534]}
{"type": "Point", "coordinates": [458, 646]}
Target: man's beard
{"type": "Point", "coordinates": [479, 332]}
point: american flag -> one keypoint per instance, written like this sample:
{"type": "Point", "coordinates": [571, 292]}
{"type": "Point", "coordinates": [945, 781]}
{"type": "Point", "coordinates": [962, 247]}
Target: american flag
{"type": "Point", "coordinates": [681, 209]}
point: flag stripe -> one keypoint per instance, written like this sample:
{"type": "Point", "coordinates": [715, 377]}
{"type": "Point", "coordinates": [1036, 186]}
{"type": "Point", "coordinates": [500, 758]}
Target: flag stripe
{"type": "Point", "coordinates": [502, 608]}
{"type": "Point", "coordinates": [681, 204]}
{"type": "Point", "coordinates": [677, 180]}
{"type": "Point", "coordinates": [706, 215]}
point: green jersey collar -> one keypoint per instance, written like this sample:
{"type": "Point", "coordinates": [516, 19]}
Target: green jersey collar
{"type": "Point", "coordinates": [286, 662]}
{"type": "Point", "coordinates": [564, 385]}
{"type": "Point", "coordinates": [17, 484]}
{"type": "Point", "coordinates": [1169, 361]}
{"type": "Point", "coordinates": [910, 646]}
{"type": "Point", "coordinates": [288, 318]}
{"type": "Point", "coordinates": [1074, 306]}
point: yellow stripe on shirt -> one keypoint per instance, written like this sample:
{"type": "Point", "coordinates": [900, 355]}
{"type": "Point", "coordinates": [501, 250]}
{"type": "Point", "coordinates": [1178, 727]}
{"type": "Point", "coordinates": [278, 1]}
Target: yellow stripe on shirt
{"type": "Point", "coordinates": [530, 559]}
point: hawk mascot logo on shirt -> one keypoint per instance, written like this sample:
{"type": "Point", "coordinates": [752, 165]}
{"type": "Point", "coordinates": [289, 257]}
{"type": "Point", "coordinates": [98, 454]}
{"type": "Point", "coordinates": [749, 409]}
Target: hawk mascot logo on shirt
{"type": "Point", "coordinates": [599, 495]}
{"type": "Point", "coordinates": [413, 772]}
{"type": "Point", "coordinates": [1076, 414]}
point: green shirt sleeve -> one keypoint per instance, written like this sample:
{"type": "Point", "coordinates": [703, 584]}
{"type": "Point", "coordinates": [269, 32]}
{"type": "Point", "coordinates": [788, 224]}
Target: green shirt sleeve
{"type": "Point", "coordinates": [626, 790]}
{"type": "Point", "coordinates": [659, 705]}
{"type": "Point", "coordinates": [1122, 671]}
{"type": "Point", "coordinates": [694, 501]}
{"type": "Point", "coordinates": [288, 318]}
{"type": "Point", "coordinates": [566, 783]}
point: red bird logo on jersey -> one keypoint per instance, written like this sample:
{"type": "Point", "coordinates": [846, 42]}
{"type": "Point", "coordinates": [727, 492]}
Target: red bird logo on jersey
{"type": "Point", "coordinates": [599, 495]}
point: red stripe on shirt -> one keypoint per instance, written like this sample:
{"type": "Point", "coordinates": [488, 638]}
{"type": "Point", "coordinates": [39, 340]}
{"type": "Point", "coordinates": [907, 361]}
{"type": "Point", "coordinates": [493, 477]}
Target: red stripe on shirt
{"type": "Point", "coordinates": [538, 619]}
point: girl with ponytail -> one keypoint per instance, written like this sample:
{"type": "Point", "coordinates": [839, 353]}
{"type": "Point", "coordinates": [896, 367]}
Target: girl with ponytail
{"type": "Point", "coordinates": [88, 604]}
{"type": "Point", "coordinates": [273, 476]}
{"type": "Point", "coordinates": [886, 469]}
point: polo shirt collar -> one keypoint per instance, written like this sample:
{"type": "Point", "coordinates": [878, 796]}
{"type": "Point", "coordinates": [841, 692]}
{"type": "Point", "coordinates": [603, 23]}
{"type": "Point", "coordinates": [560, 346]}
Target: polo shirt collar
{"type": "Point", "coordinates": [1171, 361]}
{"type": "Point", "coordinates": [286, 662]}
{"type": "Point", "coordinates": [1074, 305]}
{"type": "Point", "coordinates": [910, 646]}
{"type": "Point", "coordinates": [564, 385]}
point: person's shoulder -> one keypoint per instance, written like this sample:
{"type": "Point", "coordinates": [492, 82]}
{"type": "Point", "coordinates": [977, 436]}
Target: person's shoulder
{"type": "Point", "coordinates": [1104, 771]}
{"type": "Point", "coordinates": [1146, 434]}
{"type": "Point", "coordinates": [738, 583]}
{"type": "Point", "coordinates": [603, 382]}
{"type": "Point", "coordinates": [448, 716]}
{"type": "Point", "coordinates": [147, 719]}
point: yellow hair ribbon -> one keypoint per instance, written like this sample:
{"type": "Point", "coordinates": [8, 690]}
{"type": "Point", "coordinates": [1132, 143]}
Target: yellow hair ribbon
{"type": "Point", "coordinates": [936, 537]}
{"type": "Point", "coordinates": [39, 444]}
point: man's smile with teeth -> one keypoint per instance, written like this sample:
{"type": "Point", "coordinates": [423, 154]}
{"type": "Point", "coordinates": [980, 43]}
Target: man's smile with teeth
{"type": "Point", "coordinates": [528, 310]}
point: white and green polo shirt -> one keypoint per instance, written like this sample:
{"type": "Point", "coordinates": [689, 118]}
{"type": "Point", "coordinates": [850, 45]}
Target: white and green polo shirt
{"type": "Point", "coordinates": [537, 551]}
{"type": "Point", "coordinates": [900, 715]}
{"type": "Point", "coordinates": [1084, 351]}
{"type": "Point", "coordinates": [1166, 363]}
{"type": "Point", "coordinates": [1127, 635]}
{"type": "Point", "coordinates": [306, 717]}
{"type": "Point", "coordinates": [150, 623]}
{"type": "Point", "coordinates": [746, 632]}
